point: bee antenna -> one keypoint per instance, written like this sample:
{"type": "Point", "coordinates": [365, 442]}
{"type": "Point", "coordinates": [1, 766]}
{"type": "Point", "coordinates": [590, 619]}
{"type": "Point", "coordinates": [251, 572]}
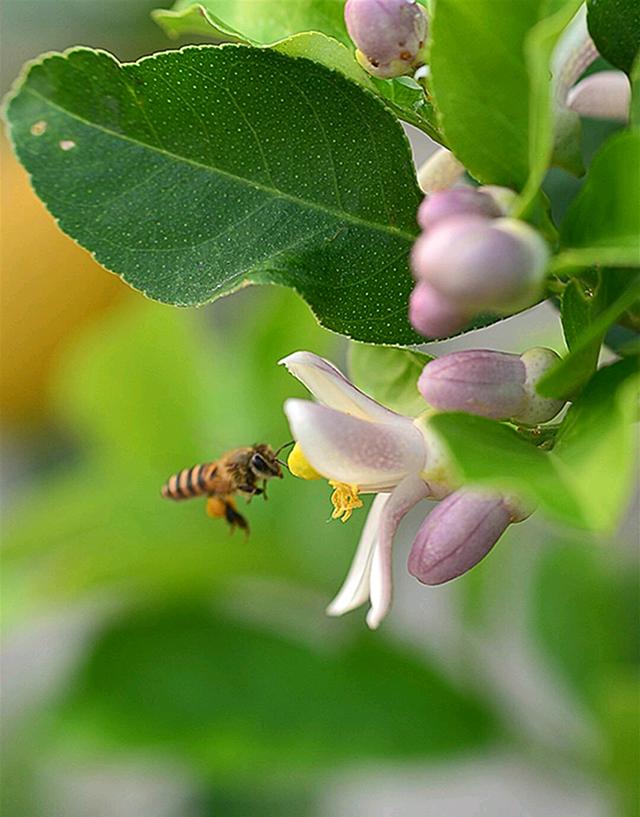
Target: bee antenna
{"type": "Point", "coordinates": [285, 445]}
{"type": "Point", "coordinates": [284, 465]}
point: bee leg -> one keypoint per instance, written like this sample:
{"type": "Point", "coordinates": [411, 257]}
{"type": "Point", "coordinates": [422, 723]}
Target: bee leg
{"type": "Point", "coordinates": [235, 519]}
{"type": "Point", "coordinates": [264, 490]}
{"type": "Point", "coordinates": [250, 490]}
{"type": "Point", "coordinates": [221, 507]}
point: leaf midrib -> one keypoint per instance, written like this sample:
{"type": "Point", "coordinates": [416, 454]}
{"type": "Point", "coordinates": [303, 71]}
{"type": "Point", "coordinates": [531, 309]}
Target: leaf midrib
{"type": "Point", "coordinates": [341, 215]}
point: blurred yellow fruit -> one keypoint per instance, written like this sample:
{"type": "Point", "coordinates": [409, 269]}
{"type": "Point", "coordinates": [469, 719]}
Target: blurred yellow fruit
{"type": "Point", "coordinates": [49, 287]}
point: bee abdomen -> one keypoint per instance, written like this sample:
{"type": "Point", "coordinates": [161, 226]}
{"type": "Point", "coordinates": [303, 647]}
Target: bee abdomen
{"type": "Point", "coordinates": [189, 482]}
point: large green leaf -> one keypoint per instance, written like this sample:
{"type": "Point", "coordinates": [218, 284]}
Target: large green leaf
{"type": "Point", "coordinates": [593, 455]}
{"type": "Point", "coordinates": [254, 22]}
{"type": "Point", "coordinates": [389, 375]}
{"type": "Point", "coordinates": [244, 702]}
{"type": "Point", "coordinates": [482, 86]}
{"type": "Point", "coordinates": [195, 172]}
{"type": "Point", "coordinates": [615, 28]}
{"type": "Point", "coordinates": [602, 226]}
{"type": "Point", "coordinates": [589, 307]}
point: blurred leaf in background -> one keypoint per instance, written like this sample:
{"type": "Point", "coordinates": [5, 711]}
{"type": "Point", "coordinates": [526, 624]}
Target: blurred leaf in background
{"type": "Point", "coordinates": [147, 392]}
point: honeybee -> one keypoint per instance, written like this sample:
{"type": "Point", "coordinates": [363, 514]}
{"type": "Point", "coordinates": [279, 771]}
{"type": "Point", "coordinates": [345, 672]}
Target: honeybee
{"type": "Point", "coordinates": [237, 472]}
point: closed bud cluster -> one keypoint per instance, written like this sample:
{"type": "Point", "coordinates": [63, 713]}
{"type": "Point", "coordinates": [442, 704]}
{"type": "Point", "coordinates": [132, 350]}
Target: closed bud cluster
{"type": "Point", "coordinates": [491, 384]}
{"type": "Point", "coordinates": [458, 533]}
{"type": "Point", "coordinates": [389, 35]}
{"type": "Point", "coordinates": [469, 261]}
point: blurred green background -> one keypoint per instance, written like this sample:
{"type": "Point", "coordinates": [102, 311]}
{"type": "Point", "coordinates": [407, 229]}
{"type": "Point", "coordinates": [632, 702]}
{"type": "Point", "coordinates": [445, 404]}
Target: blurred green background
{"type": "Point", "coordinates": [155, 666]}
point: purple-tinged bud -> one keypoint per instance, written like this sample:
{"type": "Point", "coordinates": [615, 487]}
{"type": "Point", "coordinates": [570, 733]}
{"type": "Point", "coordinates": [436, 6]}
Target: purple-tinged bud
{"type": "Point", "coordinates": [389, 35]}
{"type": "Point", "coordinates": [478, 264]}
{"type": "Point", "coordinates": [431, 314]}
{"type": "Point", "coordinates": [491, 384]}
{"type": "Point", "coordinates": [457, 201]}
{"type": "Point", "coordinates": [477, 381]}
{"type": "Point", "coordinates": [605, 95]}
{"type": "Point", "coordinates": [457, 534]}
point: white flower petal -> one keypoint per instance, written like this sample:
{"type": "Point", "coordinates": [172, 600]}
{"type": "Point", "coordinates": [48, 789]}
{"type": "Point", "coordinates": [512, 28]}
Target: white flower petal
{"type": "Point", "coordinates": [403, 498]}
{"type": "Point", "coordinates": [606, 95]}
{"type": "Point", "coordinates": [347, 449]}
{"type": "Point", "coordinates": [355, 590]}
{"type": "Point", "coordinates": [331, 388]}
{"type": "Point", "coordinates": [440, 171]}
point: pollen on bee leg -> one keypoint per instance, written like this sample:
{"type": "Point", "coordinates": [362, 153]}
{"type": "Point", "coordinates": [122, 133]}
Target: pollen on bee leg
{"type": "Point", "coordinates": [217, 507]}
{"type": "Point", "coordinates": [345, 499]}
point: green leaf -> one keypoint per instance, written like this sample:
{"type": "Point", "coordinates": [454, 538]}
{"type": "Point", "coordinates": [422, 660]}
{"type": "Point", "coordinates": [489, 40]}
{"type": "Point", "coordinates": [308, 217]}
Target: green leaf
{"type": "Point", "coordinates": [193, 173]}
{"type": "Point", "coordinates": [589, 308]}
{"type": "Point", "coordinates": [593, 456]}
{"type": "Point", "coordinates": [408, 100]}
{"type": "Point", "coordinates": [328, 52]}
{"type": "Point", "coordinates": [389, 375]}
{"type": "Point", "coordinates": [615, 28]}
{"type": "Point", "coordinates": [259, 23]}
{"type": "Point", "coordinates": [313, 29]}
{"type": "Point", "coordinates": [546, 116]}
{"type": "Point", "coordinates": [240, 701]}
{"type": "Point", "coordinates": [602, 225]}
{"type": "Point", "coordinates": [634, 112]}
{"type": "Point", "coordinates": [482, 85]}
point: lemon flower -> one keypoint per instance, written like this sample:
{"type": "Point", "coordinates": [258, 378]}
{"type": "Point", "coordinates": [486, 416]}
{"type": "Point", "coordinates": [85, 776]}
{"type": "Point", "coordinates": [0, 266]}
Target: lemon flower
{"type": "Point", "coordinates": [360, 446]}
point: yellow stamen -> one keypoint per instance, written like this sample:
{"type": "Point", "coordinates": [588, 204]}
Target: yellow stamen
{"type": "Point", "coordinates": [344, 499]}
{"type": "Point", "coordinates": [299, 465]}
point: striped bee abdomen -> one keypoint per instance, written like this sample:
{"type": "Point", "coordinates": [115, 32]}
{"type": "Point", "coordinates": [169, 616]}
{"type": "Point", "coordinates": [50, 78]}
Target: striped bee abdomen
{"type": "Point", "coordinates": [189, 482]}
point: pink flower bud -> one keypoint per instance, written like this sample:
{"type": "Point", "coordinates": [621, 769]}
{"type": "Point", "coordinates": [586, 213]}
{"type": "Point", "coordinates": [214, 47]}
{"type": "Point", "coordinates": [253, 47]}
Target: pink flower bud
{"type": "Point", "coordinates": [478, 264]}
{"type": "Point", "coordinates": [389, 34]}
{"type": "Point", "coordinates": [482, 382]}
{"type": "Point", "coordinates": [457, 534]}
{"type": "Point", "coordinates": [491, 384]}
{"type": "Point", "coordinates": [432, 314]}
{"type": "Point", "coordinates": [457, 201]}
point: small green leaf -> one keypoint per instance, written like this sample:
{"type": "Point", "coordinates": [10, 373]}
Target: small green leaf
{"type": "Point", "coordinates": [196, 172]}
{"type": "Point", "coordinates": [615, 28]}
{"type": "Point", "coordinates": [408, 100]}
{"type": "Point", "coordinates": [546, 114]}
{"type": "Point", "coordinates": [249, 21]}
{"type": "Point", "coordinates": [585, 481]}
{"type": "Point", "coordinates": [602, 225]}
{"type": "Point", "coordinates": [389, 375]}
{"type": "Point", "coordinates": [328, 52]}
{"type": "Point", "coordinates": [492, 118]}
{"type": "Point", "coordinates": [589, 308]}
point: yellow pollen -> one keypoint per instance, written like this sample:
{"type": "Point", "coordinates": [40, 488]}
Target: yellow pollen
{"type": "Point", "coordinates": [300, 466]}
{"type": "Point", "coordinates": [344, 499]}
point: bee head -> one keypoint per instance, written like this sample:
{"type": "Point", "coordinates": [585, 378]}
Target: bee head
{"type": "Point", "coordinates": [264, 463]}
